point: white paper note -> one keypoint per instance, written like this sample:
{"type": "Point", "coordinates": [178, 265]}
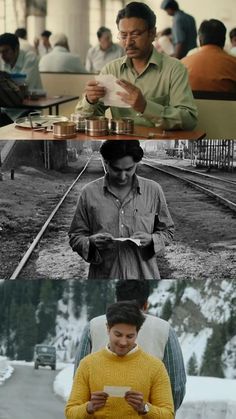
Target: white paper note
{"type": "Point", "coordinates": [111, 98]}
{"type": "Point", "coordinates": [124, 239]}
{"type": "Point", "coordinates": [116, 391]}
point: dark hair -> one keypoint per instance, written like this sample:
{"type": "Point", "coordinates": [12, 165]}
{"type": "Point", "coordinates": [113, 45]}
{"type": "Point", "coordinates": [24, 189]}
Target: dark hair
{"type": "Point", "coordinates": [232, 33]}
{"type": "Point", "coordinates": [171, 4]}
{"type": "Point", "coordinates": [127, 312]}
{"type": "Point", "coordinates": [46, 33]}
{"type": "Point", "coordinates": [21, 33]}
{"type": "Point", "coordinates": [9, 39]}
{"type": "Point", "coordinates": [133, 289]}
{"type": "Point", "coordinates": [101, 31]}
{"type": "Point", "coordinates": [212, 31]}
{"type": "Point", "coordinates": [167, 32]}
{"type": "Point", "coordinates": [139, 10]}
{"type": "Point", "coordinates": [112, 150]}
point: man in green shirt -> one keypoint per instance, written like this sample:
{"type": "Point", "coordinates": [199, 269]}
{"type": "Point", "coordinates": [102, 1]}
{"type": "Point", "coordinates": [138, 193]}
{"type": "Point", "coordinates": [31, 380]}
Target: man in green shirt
{"type": "Point", "coordinates": [155, 86]}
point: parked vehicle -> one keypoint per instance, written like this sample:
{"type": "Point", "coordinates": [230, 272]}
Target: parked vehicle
{"type": "Point", "coordinates": [44, 355]}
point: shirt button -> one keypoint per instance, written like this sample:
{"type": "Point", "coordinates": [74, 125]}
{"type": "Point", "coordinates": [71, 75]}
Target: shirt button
{"type": "Point", "coordinates": [122, 212]}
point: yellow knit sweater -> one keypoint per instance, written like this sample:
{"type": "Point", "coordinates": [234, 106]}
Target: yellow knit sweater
{"type": "Point", "coordinates": [140, 371]}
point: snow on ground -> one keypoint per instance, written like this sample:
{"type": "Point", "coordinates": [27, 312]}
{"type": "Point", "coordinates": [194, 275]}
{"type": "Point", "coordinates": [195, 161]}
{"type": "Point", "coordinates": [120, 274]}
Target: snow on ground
{"type": "Point", "coordinates": [63, 382]}
{"type": "Point", "coordinates": [6, 369]}
{"type": "Point", "coordinates": [191, 343]}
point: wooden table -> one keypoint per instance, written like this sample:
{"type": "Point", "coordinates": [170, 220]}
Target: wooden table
{"type": "Point", "coordinates": [47, 103]}
{"type": "Point", "coordinates": [10, 132]}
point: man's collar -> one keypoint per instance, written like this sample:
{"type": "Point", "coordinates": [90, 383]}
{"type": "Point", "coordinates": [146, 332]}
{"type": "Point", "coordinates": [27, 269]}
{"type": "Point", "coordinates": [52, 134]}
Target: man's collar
{"type": "Point", "coordinates": [155, 59]}
{"type": "Point", "coordinates": [135, 349]}
{"type": "Point", "coordinates": [106, 185]}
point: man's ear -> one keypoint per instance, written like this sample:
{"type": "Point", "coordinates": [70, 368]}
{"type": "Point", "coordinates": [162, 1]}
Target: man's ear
{"type": "Point", "coordinates": [108, 329]}
{"type": "Point", "coordinates": [145, 306]}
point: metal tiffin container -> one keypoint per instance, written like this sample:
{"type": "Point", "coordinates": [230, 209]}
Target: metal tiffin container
{"type": "Point", "coordinates": [64, 129]}
{"type": "Point", "coordinates": [122, 126]}
{"type": "Point", "coordinates": [96, 126]}
{"type": "Point", "coordinates": [79, 119]}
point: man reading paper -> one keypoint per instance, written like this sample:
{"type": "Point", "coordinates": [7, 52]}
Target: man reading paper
{"type": "Point", "coordinates": [154, 85]}
{"type": "Point", "coordinates": [121, 205]}
{"type": "Point", "coordinates": [100, 387]}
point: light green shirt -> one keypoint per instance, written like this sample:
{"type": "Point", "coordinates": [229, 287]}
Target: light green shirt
{"type": "Point", "coordinates": [163, 83]}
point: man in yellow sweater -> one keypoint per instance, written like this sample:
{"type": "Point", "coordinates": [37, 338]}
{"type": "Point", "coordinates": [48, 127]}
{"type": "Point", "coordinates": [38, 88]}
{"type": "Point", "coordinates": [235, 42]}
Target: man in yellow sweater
{"type": "Point", "coordinates": [121, 381]}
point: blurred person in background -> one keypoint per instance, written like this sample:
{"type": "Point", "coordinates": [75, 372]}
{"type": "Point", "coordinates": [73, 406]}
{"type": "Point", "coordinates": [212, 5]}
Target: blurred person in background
{"type": "Point", "coordinates": [184, 32]}
{"type": "Point", "coordinates": [232, 36]}
{"type": "Point", "coordinates": [15, 60]}
{"type": "Point", "coordinates": [42, 45]}
{"type": "Point", "coordinates": [104, 52]}
{"type": "Point", "coordinates": [156, 337]}
{"type": "Point", "coordinates": [21, 33]}
{"type": "Point", "coordinates": [60, 59]}
{"type": "Point", "coordinates": [211, 68]}
{"type": "Point", "coordinates": [163, 42]}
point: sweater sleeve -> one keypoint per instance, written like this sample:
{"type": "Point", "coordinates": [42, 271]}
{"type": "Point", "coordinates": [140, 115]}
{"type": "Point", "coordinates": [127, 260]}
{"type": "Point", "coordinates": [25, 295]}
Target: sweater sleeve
{"type": "Point", "coordinates": [161, 402]}
{"type": "Point", "coordinates": [80, 395]}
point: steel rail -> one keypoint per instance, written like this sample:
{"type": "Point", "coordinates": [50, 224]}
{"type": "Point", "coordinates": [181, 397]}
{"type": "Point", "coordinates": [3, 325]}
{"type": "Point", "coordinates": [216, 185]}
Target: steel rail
{"type": "Point", "coordinates": [229, 204]}
{"type": "Point", "coordinates": [28, 253]}
{"type": "Point", "coordinates": [193, 172]}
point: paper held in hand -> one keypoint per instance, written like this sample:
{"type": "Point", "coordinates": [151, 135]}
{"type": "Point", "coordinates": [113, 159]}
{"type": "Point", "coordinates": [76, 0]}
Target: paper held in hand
{"type": "Point", "coordinates": [111, 98]}
{"type": "Point", "coordinates": [116, 391]}
{"type": "Point", "coordinates": [124, 239]}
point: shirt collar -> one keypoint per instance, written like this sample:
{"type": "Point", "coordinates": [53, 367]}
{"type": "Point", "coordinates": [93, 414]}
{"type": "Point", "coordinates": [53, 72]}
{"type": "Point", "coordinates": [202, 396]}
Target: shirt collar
{"type": "Point", "coordinates": [135, 187]}
{"type": "Point", "coordinates": [155, 59]}
{"type": "Point", "coordinates": [135, 349]}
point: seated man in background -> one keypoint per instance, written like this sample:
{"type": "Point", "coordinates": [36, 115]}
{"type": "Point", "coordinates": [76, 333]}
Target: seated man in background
{"type": "Point", "coordinates": [211, 68]}
{"type": "Point", "coordinates": [121, 205]}
{"type": "Point", "coordinates": [60, 59]}
{"type": "Point", "coordinates": [156, 337]}
{"type": "Point", "coordinates": [104, 52]}
{"type": "Point", "coordinates": [15, 60]}
{"type": "Point", "coordinates": [122, 366]}
{"type": "Point", "coordinates": [154, 85]}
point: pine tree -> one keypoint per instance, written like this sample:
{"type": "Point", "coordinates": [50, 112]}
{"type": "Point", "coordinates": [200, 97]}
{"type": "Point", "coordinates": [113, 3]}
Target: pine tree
{"type": "Point", "coordinates": [192, 367]}
{"type": "Point", "coordinates": [212, 365]}
{"type": "Point", "coordinates": [166, 310]}
{"type": "Point", "coordinates": [26, 332]}
{"type": "Point", "coordinates": [47, 310]}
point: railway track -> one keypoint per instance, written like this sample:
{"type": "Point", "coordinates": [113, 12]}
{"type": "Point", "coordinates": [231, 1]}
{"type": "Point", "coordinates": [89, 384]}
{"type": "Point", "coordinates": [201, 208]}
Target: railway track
{"type": "Point", "coordinates": [222, 190]}
{"type": "Point", "coordinates": [204, 245]}
{"type": "Point", "coordinates": [74, 186]}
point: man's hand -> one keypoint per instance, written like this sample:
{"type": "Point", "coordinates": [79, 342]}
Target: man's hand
{"type": "Point", "coordinates": [94, 91]}
{"type": "Point", "coordinates": [135, 399]}
{"type": "Point", "coordinates": [101, 240]}
{"type": "Point", "coordinates": [133, 97]}
{"type": "Point", "coordinates": [98, 399]}
{"type": "Point", "coordinates": [145, 238]}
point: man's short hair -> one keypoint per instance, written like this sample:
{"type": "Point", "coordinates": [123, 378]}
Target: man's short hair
{"type": "Point", "coordinates": [169, 4]}
{"type": "Point", "coordinates": [102, 30]}
{"type": "Point", "coordinates": [112, 150]}
{"type": "Point", "coordinates": [139, 10]}
{"type": "Point", "coordinates": [212, 31]}
{"type": "Point", "coordinates": [21, 33]}
{"type": "Point", "coordinates": [125, 312]}
{"type": "Point", "coordinates": [232, 33]}
{"type": "Point", "coordinates": [9, 39]}
{"type": "Point", "coordinates": [46, 33]}
{"type": "Point", "coordinates": [58, 39]}
{"type": "Point", "coordinates": [133, 289]}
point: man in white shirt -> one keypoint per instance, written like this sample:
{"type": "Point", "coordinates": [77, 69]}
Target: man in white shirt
{"type": "Point", "coordinates": [60, 59]}
{"type": "Point", "coordinates": [104, 52]}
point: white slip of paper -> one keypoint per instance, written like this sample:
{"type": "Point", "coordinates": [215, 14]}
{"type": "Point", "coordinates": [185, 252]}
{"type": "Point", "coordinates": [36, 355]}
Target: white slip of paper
{"type": "Point", "coordinates": [116, 391]}
{"type": "Point", "coordinates": [124, 239]}
{"type": "Point", "coordinates": [111, 98]}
